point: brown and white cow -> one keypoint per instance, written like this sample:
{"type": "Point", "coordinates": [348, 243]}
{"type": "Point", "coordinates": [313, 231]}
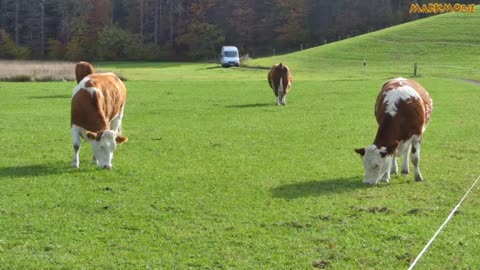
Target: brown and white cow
{"type": "Point", "coordinates": [82, 70]}
{"type": "Point", "coordinates": [402, 110]}
{"type": "Point", "coordinates": [280, 80]}
{"type": "Point", "coordinates": [98, 102]}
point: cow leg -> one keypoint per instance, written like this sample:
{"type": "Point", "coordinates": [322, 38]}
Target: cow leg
{"type": "Point", "coordinates": [405, 169]}
{"type": "Point", "coordinates": [415, 156]}
{"type": "Point", "coordinates": [94, 160]}
{"type": "Point", "coordinates": [116, 123]}
{"type": "Point", "coordinates": [394, 168]}
{"type": "Point", "coordinates": [386, 176]}
{"type": "Point", "coordinates": [275, 91]}
{"type": "Point", "coordinates": [281, 97]}
{"type": "Point", "coordinates": [280, 93]}
{"type": "Point", "coordinates": [76, 147]}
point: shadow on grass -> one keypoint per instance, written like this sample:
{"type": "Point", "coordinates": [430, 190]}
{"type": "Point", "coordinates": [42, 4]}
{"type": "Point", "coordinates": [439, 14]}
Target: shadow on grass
{"type": "Point", "coordinates": [256, 67]}
{"type": "Point", "coordinates": [32, 170]}
{"type": "Point", "coordinates": [250, 105]}
{"type": "Point", "coordinates": [214, 67]}
{"type": "Point", "coordinates": [318, 188]}
{"type": "Point", "coordinates": [52, 97]}
{"type": "Point", "coordinates": [239, 68]}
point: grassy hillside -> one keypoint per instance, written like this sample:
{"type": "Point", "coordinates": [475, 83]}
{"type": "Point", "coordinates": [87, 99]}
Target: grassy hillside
{"type": "Point", "coordinates": [214, 176]}
{"type": "Point", "coordinates": [443, 46]}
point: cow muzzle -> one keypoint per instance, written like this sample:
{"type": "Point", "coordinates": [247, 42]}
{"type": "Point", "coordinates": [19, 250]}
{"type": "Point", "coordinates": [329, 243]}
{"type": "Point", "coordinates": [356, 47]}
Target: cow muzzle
{"type": "Point", "coordinates": [107, 167]}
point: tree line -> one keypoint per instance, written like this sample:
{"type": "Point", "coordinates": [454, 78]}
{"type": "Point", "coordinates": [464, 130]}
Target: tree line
{"type": "Point", "coordinates": [185, 29]}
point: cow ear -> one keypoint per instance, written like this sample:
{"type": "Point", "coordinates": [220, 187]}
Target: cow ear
{"type": "Point", "coordinates": [91, 135]}
{"type": "Point", "coordinates": [120, 139]}
{"type": "Point", "coordinates": [360, 151]}
{"type": "Point", "coordinates": [391, 148]}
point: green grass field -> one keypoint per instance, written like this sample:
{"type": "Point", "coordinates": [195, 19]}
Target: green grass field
{"type": "Point", "coordinates": [215, 176]}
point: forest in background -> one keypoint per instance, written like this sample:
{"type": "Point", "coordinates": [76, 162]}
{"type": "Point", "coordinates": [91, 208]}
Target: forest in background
{"type": "Point", "coordinates": [186, 29]}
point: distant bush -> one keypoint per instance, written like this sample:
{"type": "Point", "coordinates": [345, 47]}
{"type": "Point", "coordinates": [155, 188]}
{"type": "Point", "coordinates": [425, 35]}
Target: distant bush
{"type": "Point", "coordinates": [79, 48]}
{"type": "Point", "coordinates": [8, 50]}
{"type": "Point", "coordinates": [202, 40]}
{"type": "Point", "coordinates": [113, 43]}
{"type": "Point", "coordinates": [56, 49]}
{"type": "Point", "coordinates": [17, 78]}
{"type": "Point", "coordinates": [116, 44]}
{"type": "Point", "coordinates": [7, 46]}
{"type": "Point", "coordinates": [138, 50]}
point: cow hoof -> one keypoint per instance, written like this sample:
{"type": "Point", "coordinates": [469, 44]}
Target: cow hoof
{"type": "Point", "coordinates": [418, 178]}
{"type": "Point", "coordinates": [385, 179]}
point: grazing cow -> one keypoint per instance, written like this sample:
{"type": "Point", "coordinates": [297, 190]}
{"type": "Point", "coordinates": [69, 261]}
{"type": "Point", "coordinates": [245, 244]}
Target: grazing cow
{"type": "Point", "coordinates": [280, 80]}
{"type": "Point", "coordinates": [402, 110]}
{"type": "Point", "coordinates": [82, 70]}
{"type": "Point", "coordinates": [97, 110]}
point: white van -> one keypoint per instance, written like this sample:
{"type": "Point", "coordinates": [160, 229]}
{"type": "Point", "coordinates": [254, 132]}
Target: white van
{"type": "Point", "coordinates": [229, 56]}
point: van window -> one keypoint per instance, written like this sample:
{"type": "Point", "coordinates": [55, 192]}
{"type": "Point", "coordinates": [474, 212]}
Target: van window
{"type": "Point", "coordinates": [230, 54]}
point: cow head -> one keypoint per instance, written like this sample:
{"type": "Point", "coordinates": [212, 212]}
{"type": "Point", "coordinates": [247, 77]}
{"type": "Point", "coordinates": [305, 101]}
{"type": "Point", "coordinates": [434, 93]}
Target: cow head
{"type": "Point", "coordinates": [82, 70]}
{"type": "Point", "coordinates": [377, 161]}
{"type": "Point", "coordinates": [103, 144]}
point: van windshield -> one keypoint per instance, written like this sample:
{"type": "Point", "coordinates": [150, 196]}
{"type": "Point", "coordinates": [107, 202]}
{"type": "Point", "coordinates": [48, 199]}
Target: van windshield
{"type": "Point", "coordinates": [231, 54]}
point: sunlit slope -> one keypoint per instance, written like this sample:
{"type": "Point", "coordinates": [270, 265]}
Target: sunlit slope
{"type": "Point", "coordinates": [446, 45]}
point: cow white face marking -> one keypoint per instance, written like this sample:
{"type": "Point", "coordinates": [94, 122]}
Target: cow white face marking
{"type": "Point", "coordinates": [376, 162]}
{"type": "Point", "coordinates": [104, 144]}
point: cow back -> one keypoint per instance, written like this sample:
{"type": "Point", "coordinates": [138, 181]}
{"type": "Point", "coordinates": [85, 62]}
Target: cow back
{"type": "Point", "coordinates": [403, 106]}
{"type": "Point", "coordinates": [98, 99]}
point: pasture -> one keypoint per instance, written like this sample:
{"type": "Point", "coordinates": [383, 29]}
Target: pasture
{"type": "Point", "coordinates": [215, 176]}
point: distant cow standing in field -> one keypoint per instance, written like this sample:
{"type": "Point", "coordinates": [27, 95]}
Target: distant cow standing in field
{"type": "Point", "coordinates": [82, 70]}
{"type": "Point", "coordinates": [402, 110]}
{"type": "Point", "coordinates": [98, 102]}
{"type": "Point", "coordinates": [280, 80]}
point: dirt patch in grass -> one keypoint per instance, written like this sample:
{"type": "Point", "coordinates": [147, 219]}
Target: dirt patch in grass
{"type": "Point", "coordinates": [372, 210]}
{"type": "Point", "coordinates": [321, 264]}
